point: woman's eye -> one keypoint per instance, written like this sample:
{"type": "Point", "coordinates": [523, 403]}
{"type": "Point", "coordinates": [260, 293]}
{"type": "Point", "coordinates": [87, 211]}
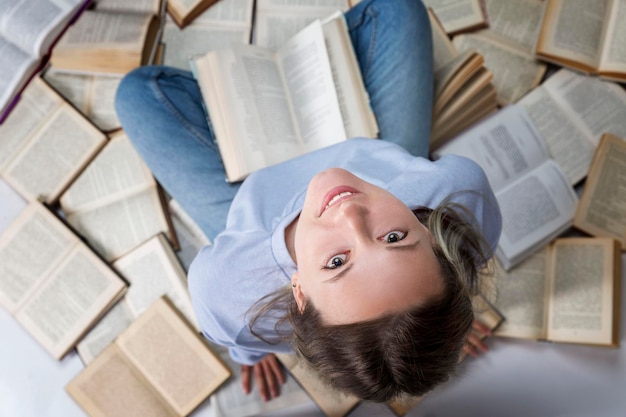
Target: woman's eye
{"type": "Point", "coordinates": [336, 261]}
{"type": "Point", "coordinates": [395, 236]}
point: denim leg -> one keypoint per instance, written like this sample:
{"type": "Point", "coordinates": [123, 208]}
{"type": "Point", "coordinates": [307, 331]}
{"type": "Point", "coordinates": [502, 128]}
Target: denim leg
{"type": "Point", "coordinates": [393, 44]}
{"type": "Point", "coordinates": [160, 108]}
{"type": "Point", "coordinates": [161, 111]}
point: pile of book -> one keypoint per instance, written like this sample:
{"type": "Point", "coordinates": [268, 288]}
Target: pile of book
{"type": "Point", "coordinates": [93, 254]}
{"type": "Point", "coordinates": [553, 155]}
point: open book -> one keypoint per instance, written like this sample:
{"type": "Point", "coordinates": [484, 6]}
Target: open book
{"type": "Point", "coordinates": [158, 367]}
{"type": "Point", "coordinates": [45, 144]}
{"type": "Point", "coordinates": [600, 211]}
{"type": "Point", "coordinates": [515, 71]}
{"type": "Point", "coordinates": [515, 21]}
{"type": "Point", "coordinates": [568, 292]}
{"type": "Point", "coordinates": [571, 111]}
{"type": "Point", "coordinates": [585, 35]}
{"type": "Point", "coordinates": [507, 45]}
{"type": "Point", "coordinates": [152, 270]}
{"type": "Point", "coordinates": [28, 31]}
{"type": "Point", "coordinates": [92, 95]}
{"type": "Point", "coordinates": [116, 204]}
{"type": "Point", "coordinates": [269, 106]}
{"type": "Point", "coordinates": [53, 284]}
{"type": "Point", "coordinates": [536, 199]}
{"type": "Point", "coordinates": [463, 91]}
{"type": "Point", "coordinates": [226, 22]}
{"type": "Point", "coordinates": [114, 37]}
{"type": "Point", "coordinates": [459, 15]}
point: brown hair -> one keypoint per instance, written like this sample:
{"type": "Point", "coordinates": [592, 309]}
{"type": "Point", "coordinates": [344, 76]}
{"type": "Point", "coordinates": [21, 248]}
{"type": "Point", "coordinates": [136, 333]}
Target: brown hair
{"type": "Point", "coordinates": [401, 353]}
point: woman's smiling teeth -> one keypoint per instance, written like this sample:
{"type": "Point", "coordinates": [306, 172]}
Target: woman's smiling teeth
{"type": "Point", "coordinates": [337, 197]}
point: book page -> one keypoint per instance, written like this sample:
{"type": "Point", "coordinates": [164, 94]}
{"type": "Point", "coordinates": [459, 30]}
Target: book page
{"type": "Point", "coordinates": [63, 145]}
{"type": "Point", "coordinates": [114, 322]}
{"type": "Point", "coordinates": [34, 25]}
{"type": "Point", "coordinates": [152, 271]}
{"type": "Point", "coordinates": [172, 357]}
{"type": "Point", "coordinates": [218, 91]}
{"type": "Point", "coordinates": [567, 144]}
{"type": "Point", "coordinates": [274, 28]}
{"type": "Point", "coordinates": [228, 12]}
{"type": "Point", "coordinates": [354, 104]}
{"type": "Point", "coordinates": [75, 88]}
{"type": "Point", "coordinates": [516, 21]}
{"type": "Point", "coordinates": [330, 401]}
{"type": "Point", "coordinates": [572, 30]}
{"type": "Point", "coordinates": [79, 290]}
{"type": "Point", "coordinates": [443, 49]}
{"type": "Point", "coordinates": [145, 6]}
{"type": "Point", "coordinates": [596, 105]}
{"type": "Point", "coordinates": [276, 21]}
{"type": "Point", "coordinates": [458, 15]}
{"type": "Point", "coordinates": [506, 146]}
{"type": "Point", "coordinates": [181, 45]}
{"type": "Point", "coordinates": [515, 71]}
{"type": "Point", "coordinates": [37, 103]}
{"type": "Point", "coordinates": [522, 296]}
{"type": "Point", "coordinates": [116, 228]}
{"type": "Point", "coordinates": [535, 209]}
{"type": "Point", "coordinates": [17, 67]}
{"type": "Point", "coordinates": [307, 74]}
{"type": "Point", "coordinates": [13, 205]}
{"type": "Point", "coordinates": [106, 28]}
{"type": "Point", "coordinates": [581, 309]}
{"type": "Point", "coordinates": [602, 208]}
{"type": "Point", "coordinates": [115, 173]}
{"type": "Point", "coordinates": [92, 95]}
{"type": "Point", "coordinates": [614, 55]}
{"type": "Point", "coordinates": [230, 400]}
{"type": "Point", "coordinates": [259, 94]}
{"type": "Point", "coordinates": [101, 102]}
{"type": "Point", "coordinates": [30, 248]}
{"type": "Point", "coordinates": [190, 237]}
{"type": "Point", "coordinates": [111, 386]}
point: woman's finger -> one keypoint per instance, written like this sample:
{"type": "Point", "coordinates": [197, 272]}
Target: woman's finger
{"type": "Point", "coordinates": [245, 378]}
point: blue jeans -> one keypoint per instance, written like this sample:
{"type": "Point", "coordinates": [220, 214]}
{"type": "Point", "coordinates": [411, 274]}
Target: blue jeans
{"type": "Point", "coordinates": [161, 108]}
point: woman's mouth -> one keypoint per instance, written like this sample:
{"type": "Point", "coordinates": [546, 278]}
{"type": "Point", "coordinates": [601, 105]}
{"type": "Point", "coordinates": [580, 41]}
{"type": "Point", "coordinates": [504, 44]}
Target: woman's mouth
{"type": "Point", "coordinates": [335, 195]}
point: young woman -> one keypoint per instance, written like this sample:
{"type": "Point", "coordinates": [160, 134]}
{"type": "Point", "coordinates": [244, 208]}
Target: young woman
{"type": "Point", "coordinates": [361, 256]}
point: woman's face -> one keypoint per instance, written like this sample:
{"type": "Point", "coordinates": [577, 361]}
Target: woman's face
{"type": "Point", "coordinates": [360, 251]}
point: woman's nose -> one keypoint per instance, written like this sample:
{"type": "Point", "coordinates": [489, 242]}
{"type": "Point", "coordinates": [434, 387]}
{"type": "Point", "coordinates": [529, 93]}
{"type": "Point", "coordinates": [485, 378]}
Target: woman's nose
{"type": "Point", "coordinates": [354, 215]}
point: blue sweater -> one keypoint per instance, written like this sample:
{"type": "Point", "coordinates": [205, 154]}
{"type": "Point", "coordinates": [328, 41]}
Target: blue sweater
{"type": "Point", "coordinates": [249, 259]}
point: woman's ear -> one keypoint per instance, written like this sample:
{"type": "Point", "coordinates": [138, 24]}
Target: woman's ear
{"type": "Point", "coordinates": [298, 295]}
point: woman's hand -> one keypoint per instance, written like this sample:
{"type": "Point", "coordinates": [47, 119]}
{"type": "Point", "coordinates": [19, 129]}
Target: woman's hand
{"type": "Point", "coordinates": [267, 375]}
{"type": "Point", "coordinates": [475, 344]}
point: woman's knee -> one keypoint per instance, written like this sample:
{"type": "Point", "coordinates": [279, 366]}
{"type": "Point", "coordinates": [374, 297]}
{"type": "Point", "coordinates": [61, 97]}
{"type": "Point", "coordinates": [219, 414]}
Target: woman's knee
{"type": "Point", "coordinates": [132, 95]}
{"type": "Point", "coordinates": [397, 12]}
